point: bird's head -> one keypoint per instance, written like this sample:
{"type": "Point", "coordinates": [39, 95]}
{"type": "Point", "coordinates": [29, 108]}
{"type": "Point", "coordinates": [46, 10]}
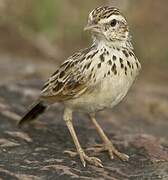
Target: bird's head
{"type": "Point", "coordinates": [108, 23]}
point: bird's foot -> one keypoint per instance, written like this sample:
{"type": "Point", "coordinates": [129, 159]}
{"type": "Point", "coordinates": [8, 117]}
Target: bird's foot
{"type": "Point", "coordinates": [108, 146]}
{"type": "Point", "coordinates": [71, 153]}
{"type": "Point", "coordinates": [85, 158]}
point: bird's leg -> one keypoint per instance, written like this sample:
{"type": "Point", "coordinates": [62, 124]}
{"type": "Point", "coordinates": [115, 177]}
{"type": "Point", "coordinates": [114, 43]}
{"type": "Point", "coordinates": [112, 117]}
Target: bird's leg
{"type": "Point", "coordinates": [83, 157]}
{"type": "Point", "coordinates": [108, 145]}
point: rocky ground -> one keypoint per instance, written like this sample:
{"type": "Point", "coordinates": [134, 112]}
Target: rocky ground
{"type": "Point", "coordinates": [138, 127]}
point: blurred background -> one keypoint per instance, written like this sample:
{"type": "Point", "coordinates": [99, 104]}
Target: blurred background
{"type": "Point", "coordinates": [48, 31]}
{"type": "Point", "coordinates": [37, 35]}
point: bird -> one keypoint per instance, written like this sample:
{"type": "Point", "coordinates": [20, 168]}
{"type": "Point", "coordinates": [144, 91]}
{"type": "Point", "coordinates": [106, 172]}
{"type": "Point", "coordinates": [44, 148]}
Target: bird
{"type": "Point", "coordinates": [93, 79]}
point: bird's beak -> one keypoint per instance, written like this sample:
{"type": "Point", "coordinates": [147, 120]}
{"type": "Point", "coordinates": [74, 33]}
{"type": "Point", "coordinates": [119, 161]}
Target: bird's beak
{"type": "Point", "coordinates": [92, 27]}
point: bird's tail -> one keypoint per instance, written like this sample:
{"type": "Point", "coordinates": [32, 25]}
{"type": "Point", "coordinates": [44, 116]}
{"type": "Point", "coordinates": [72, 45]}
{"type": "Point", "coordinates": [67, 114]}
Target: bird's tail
{"type": "Point", "coordinates": [33, 113]}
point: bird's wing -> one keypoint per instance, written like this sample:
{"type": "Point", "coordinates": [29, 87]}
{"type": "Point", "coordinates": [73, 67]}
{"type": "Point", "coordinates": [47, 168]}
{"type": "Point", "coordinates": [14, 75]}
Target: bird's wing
{"type": "Point", "coordinates": [72, 79]}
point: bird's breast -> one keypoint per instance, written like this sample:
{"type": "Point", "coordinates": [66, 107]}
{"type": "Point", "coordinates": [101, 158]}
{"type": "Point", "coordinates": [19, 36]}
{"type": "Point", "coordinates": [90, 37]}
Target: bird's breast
{"type": "Point", "coordinates": [113, 75]}
{"type": "Point", "coordinates": [107, 94]}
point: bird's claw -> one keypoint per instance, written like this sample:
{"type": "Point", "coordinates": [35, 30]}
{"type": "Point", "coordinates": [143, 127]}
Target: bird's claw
{"type": "Point", "coordinates": [85, 158]}
{"type": "Point", "coordinates": [93, 160]}
{"type": "Point", "coordinates": [71, 153]}
{"type": "Point", "coordinates": [111, 150]}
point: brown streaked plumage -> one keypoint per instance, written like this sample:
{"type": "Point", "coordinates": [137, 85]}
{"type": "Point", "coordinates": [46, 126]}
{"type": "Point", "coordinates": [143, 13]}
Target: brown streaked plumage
{"type": "Point", "coordinates": [70, 81]}
{"type": "Point", "coordinates": [93, 79]}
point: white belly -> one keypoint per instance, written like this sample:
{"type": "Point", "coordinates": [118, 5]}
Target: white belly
{"type": "Point", "coordinates": [106, 95]}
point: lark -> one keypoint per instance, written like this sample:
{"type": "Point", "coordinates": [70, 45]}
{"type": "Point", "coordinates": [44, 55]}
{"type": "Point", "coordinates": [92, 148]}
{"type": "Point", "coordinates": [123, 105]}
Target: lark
{"type": "Point", "coordinates": [93, 79]}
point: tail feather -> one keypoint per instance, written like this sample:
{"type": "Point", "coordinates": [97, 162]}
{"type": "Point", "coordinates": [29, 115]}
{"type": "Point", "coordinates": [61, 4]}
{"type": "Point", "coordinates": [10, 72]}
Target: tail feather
{"type": "Point", "coordinates": [33, 113]}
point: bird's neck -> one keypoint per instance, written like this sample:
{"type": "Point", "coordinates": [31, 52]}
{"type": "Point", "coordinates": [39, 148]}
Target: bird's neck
{"type": "Point", "coordinates": [117, 44]}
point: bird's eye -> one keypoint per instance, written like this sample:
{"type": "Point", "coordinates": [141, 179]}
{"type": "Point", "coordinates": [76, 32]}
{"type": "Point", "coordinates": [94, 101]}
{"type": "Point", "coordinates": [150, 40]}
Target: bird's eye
{"type": "Point", "coordinates": [113, 22]}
